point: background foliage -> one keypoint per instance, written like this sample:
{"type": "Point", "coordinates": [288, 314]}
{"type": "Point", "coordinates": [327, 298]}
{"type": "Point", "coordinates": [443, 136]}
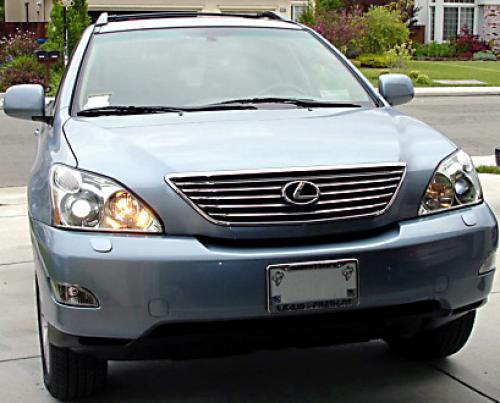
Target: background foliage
{"type": "Point", "coordinates": [78, 20]}
{"type": "Point", "coordinates": [384, 30]}
{"type": "Point", "coordinates": [17, 63]}
{"type": "Point", "coordinates": [345, 29]}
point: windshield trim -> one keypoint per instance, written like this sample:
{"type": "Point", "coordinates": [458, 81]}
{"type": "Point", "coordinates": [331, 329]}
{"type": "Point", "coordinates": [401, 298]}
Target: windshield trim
{"type": "Point", "coordinates": [377, 102]}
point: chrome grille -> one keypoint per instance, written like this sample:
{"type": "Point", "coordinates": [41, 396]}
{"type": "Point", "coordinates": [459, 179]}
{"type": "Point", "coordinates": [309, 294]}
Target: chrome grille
{"type": "Point", "coordinates": [256, 197]}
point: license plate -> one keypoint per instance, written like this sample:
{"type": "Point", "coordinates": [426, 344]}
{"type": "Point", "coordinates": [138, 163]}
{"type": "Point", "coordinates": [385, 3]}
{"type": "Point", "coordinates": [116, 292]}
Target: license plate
{"type": "Point", "coordinates": [312, 285]}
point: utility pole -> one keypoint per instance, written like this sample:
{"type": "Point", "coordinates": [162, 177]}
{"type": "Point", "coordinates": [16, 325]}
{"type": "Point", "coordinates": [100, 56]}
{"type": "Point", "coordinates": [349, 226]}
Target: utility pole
{"type": "Point", "coordinates": [27, 7]}
{"type": "Point", "coordinates": [66, 4]}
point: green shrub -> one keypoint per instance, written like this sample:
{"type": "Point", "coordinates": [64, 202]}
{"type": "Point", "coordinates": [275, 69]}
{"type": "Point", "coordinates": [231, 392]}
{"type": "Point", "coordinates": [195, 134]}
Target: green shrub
{"type": "Point", "coordinates": [329, 4]}
{"type": "Point", "coordinates": [373, 60]}
{"type": "Point", "coordinates": [55, 81]}
{"type": "Point", "coordinates": [488, 169]}
{"type": "Point", "coordinates": [357, 63]}
{"type": "Point", "coordinates": [435, 49]}
{"type": "Point", "coordinates": [308, 17]}
{"type": "Point", "coordinates": [21, 70]}
{"type": "Point", "coordinates": [488, 55]}
{"type": "Point", "coordinates": [423, 79]}
{"type": "Point", "coordinates": [384, 30]}
{"type": "Point", "coordinates": [78, 20]}
{"type": "Point", "coordinates": [399, 56]}
{"type": "Point", "coordinates": [414, 74]}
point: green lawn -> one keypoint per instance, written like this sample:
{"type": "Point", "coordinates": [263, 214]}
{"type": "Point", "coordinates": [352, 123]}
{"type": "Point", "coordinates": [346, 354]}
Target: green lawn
{"type": "Point", "coordinates": [488, 72]}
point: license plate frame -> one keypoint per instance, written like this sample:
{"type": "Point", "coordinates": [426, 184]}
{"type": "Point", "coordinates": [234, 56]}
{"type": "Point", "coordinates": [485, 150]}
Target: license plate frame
{"type": "Point", "coordinates": [319, 273]}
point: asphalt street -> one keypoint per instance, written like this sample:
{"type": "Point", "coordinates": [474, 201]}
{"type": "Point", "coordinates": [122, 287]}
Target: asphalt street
{"type": "Point", "coordinates": [472, 122]}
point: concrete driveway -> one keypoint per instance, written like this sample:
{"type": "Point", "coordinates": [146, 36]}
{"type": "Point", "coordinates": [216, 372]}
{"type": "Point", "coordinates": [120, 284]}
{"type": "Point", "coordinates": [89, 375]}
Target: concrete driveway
{"type": "Point", "coordinates": [366, 372]}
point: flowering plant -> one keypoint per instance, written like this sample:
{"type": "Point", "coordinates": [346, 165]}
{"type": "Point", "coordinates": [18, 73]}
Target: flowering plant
{"type": "Point", "coordinates": [345, 29]}
{"type": "Point", "coordinates": [467, 44]}
{"type": "Point", "coordinates": [21, 43]}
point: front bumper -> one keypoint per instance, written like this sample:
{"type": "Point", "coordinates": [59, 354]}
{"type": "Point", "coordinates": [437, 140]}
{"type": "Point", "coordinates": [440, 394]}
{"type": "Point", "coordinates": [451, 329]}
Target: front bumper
{"type": "Point", "coordinates": [145, 282]}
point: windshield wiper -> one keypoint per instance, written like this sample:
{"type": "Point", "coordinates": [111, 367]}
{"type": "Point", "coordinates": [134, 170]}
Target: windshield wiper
{"type": "Point", "coordinates": [233, 104]}
{"type": "Point", "coordinates": [127, 110]}
{"type": "Point", "coordinates": [142, 110]}
{"type": "Point", "coordinates": [300, 102]}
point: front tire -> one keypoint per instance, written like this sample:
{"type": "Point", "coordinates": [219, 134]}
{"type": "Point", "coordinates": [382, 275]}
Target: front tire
{"type": "Point", "coordinates": [436, 343]}
{"type": "Point", "coordinates": [68, 375]}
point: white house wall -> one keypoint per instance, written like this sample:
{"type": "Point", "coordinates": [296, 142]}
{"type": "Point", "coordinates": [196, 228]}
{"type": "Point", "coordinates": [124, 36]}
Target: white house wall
{"type": "Point", "coordinates": [39, 10]}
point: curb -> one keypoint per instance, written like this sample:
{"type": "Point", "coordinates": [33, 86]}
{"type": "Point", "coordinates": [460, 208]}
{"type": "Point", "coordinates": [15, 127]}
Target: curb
{"type": "Point", "coordinates": [455, 91]}
{"type": "Point", "coordinates": [488, 160]}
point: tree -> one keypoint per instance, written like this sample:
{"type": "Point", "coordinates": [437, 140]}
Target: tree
{"type": "Point", "coordinates": [384, 30]}
{"type": "Point", "coordinates": [329, 5]}
{"type": "Point", "coordinates": [2, 10]}
{"type": "Point", "coordinates": [77, 18]}
{"type": "Point", "coordinates": [406, 8]}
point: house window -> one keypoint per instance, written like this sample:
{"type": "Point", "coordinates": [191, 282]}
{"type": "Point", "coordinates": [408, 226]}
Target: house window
{"type": "Point", "coordinates": [450, 24]}
{"type": "Point", "coordinates": [456, 19]}
{"type": "Point", "coordinates": [467, 18]}
{"type": "Point", "coordinates": [298, 10]}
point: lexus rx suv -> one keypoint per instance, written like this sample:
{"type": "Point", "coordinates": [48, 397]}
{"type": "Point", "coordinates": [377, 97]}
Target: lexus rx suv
{"type": "Point", "coordinates": [211, 184]}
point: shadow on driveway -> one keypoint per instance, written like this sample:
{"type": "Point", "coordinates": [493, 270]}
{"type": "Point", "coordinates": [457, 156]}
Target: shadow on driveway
{"type": "Point", "coordinates": [366, 372]}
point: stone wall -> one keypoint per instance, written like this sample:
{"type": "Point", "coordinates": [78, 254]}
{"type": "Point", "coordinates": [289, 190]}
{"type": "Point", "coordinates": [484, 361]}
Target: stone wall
{"type": "Point", "coordinates": [491, 25]}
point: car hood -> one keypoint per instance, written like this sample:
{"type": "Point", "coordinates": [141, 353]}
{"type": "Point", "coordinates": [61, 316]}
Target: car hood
{"type": "Point", "coordinates": [139, 151]}
{"type": "Point", "coordinates": [213, 141]}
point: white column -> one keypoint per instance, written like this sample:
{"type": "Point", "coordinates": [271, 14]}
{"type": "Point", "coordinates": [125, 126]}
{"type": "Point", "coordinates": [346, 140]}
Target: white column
{"type": "Point", "coordinates": [438, 21]}
{"type": "Point", "coordinates": [475, 25]}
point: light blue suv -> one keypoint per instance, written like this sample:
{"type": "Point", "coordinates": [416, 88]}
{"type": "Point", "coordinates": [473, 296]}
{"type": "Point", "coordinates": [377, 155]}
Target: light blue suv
{"type": "Point", "coordinates": [216, 184]}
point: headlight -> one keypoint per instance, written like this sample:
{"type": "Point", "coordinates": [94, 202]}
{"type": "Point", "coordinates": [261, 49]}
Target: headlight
{"type": "Point", "coordinates": [85, 201]}
{"type": "Point", "coordinates": [454, 184]}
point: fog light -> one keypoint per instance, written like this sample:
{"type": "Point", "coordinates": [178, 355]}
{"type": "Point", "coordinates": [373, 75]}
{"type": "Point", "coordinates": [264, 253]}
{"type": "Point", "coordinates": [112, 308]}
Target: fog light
{"type": "Point", "coordinates": [70, 294]}
{"type": "Point", "coordinates": [488, 265]}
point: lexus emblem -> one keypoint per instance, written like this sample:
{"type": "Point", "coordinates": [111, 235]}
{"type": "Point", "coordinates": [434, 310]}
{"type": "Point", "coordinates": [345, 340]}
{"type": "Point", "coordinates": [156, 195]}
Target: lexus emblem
{"type": "Point", "coordinates": [300, 193]}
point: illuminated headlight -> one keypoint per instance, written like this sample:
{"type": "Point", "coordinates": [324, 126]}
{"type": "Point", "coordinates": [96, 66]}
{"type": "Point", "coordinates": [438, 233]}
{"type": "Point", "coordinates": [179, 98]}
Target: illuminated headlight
{"type": "Point", "coordinates": [86, 201]}
{"type": "Point", "coordinates": [454, 184]}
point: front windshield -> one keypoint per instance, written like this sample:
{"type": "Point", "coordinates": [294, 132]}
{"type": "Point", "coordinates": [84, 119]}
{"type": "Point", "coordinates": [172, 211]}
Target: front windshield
{"type": "Point", "coordinates": [187, 67]}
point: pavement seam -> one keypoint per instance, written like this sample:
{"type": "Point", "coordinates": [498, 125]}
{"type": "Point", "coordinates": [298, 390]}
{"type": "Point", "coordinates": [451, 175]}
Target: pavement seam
{"type": "Point", "coordinates": [463, 383]}
{"type": "Point", "coordinates": [14, 263]}
{"type": "Point", "coordinates": [30, 357]}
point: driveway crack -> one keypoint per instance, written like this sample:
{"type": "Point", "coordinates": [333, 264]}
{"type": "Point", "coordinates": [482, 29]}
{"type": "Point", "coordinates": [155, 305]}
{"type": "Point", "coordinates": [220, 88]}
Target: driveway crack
{"type": "Point", "coordinates": [474, 389]}
{"type": "Point", "coordinates": [13, 263]}
{"type": "Point", "coordinates": [30, 357]}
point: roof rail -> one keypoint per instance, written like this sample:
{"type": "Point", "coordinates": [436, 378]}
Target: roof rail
{"type": "Point", "coordinates": [104, 18]}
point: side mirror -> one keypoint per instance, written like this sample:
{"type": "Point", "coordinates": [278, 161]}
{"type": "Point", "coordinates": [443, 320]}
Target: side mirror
{"type": "Point", "coordinates": [26, 101]}
{"type": "Point", "coordinates": [397, 89]}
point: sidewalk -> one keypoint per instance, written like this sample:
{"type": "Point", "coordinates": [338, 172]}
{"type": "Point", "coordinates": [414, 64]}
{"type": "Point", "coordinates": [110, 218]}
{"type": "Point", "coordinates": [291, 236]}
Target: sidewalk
{"type": "Point", "coordinates": [488, 160]}
{"type": "Point", "coordinates": [455, 91]}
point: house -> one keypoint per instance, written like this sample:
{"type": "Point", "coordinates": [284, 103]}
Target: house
{"type": "Point", "coordinates": [444, 19]}
{"type": "Point", "coordinates": [39, 10]}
